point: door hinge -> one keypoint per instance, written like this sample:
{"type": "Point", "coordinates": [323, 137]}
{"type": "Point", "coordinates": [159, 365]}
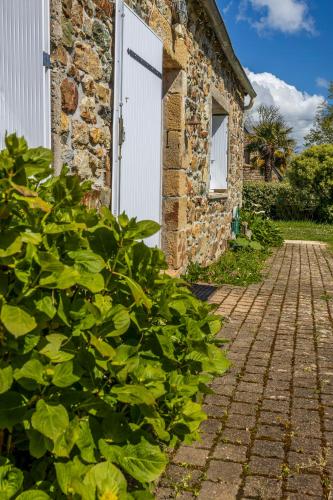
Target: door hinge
{"type": "Point", "coordinates": [121, 131]}
{"type": "Point", "coordinates": [46, 60]}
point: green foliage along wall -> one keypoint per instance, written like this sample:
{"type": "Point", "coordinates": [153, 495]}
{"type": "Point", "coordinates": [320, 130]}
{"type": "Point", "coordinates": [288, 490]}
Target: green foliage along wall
{"type": "Point", "coordinates": [104, 359]}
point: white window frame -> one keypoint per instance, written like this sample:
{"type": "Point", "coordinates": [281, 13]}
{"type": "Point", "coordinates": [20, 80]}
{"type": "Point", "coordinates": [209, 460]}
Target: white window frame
{"type": "Point", "coordinates": [219, 105]}
{"type": "Point", "coordinates": [219, 156]}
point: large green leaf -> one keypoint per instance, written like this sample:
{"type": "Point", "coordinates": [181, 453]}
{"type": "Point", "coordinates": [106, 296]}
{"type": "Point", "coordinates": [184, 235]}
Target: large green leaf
{"type": "Point", "coordinates": [85, 442]}
{"type": "Point", "coordinates": [37, 162]}
{"type": "Point", "coordinates": [37, 444]}
{"type": "Point", "coordinates": [32, 370]}
{"type": "Point", "coordinates": [54, 228]}
{"type": "Point", "coordinates": [10, 244]}
{"type": "Point", "coordinates": [46, 306]}
{"type": "Point", "coordinates": [63, 279]}
{"type": "Point", "coordinates": [33, 495]}
{"type": "Point", "coordinates": [53, 348]}
{"type": "Point", "coordinates": [6, 379]}
{"type": "Point", "coordinates": [116, 428]}
{"type": "Point", "coordinates": [144, 461]}
{"type": "Point", "coordinates": [105, 349]}
{"type": "Point", "coordinates": [134, 394]}
{"type": "Point", "coordinates": [63, 375]}
{"type": "Point", "coordinates": [64, 443]}
{"type": "Point", "coordinates": [143, 229]}
{"type": "Point", "coordinates": [88, 261]}
{"type": "Point", "coordinates": [93, 282]}
{"type": "Point", "coordinates": [12, 409]}
{"type": "Point", "coordinates": [50, 420]}
{"type": "Point", "coordinates": [49, 262]}
{"type": "Point", "coordinates": [106, 481]}
{"type": "Point", "coordinates": [118, 322]}
{"type": "Point", "coordinates": [35, 203]}
{"type": "Point", "coordinates": [17, 321]}
{"type": "Point", "coordinates": [69, 473]}
{"type": "Point", "coordinates": [138, 294]}
{"type": "Point", "coordinates": [11, 480]}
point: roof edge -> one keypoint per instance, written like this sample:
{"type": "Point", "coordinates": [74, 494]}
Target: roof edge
{"type": "Point", "coordinates": [223, 36]}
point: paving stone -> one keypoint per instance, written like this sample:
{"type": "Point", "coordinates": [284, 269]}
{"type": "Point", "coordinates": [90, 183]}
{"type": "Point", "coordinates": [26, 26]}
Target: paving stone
{"type": "Point", "coordinates": [182, 476]}
{"type": "Point", "coordinates": [191, 456]}
{"type": "Point", "coordinates": [306, 445]}
{"type": "Point", "coordinates": [211, 426]}
{"type": "Point", "coordinates": [164, 494]}
{"type": "Point", "coordinates": [242, 408]}
{"type": "Point", "coordinates": [272, 432]}
{"type": "Point", "coordinates": [224, 471]}
{"type": "Point", "coordinates": [214, 411]}
{"type": "Point", "coordinates": [265, 466]}
{"type": "Point", "coordinates": [236, 436]}
{"type": "Point", "coordinates": [241, 421]}
{"type": "Point", "coordinates": [262, 488]}
{"type": "Point", "coordinates": [233, 452]}
{"type": "Point", "coordinates": [218, 491]}
{"type": "Point", "coordinates": [308, 484]}
{"type": "Point", "coordinates": [269, 449]}
{"type": "Point", "coordinates": [246, 397]}
{"type": "Point", "coordinates": [301, 462]}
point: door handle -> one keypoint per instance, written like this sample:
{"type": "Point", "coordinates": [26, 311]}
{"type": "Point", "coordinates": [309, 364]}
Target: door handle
{"type": "Point", "coordinates": [121, 131]}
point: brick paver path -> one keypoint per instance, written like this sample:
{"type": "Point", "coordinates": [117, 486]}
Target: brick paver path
{"type": "Point", "coordinates": [270, 426]}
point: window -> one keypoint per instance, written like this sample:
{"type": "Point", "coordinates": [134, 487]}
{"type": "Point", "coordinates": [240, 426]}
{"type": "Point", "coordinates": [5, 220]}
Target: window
{"type": "Point", "coordinates": [219, 153]}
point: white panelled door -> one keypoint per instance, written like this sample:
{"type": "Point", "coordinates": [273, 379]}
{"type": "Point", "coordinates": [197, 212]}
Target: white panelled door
{"type": "Point", "coordinates": [24, 80]}
{"type": "Point", "coordinates": [139, 181]}
{"type": "Point", "coordinates": [219, 153]}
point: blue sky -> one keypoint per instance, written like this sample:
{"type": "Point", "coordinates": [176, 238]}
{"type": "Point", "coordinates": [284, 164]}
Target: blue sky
{"type": "Point", "coordinates": [285, 44]}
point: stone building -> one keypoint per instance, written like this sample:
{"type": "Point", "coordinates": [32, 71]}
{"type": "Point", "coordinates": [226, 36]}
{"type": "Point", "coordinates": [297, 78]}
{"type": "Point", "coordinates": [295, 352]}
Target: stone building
{"type": "Point", "coordinates": [146, 99]}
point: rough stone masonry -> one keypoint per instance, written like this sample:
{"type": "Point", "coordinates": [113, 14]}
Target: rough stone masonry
{"type": "Point", "coordinates": [197, 77]}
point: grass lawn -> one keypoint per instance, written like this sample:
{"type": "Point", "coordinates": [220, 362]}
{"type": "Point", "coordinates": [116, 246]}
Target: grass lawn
{"type": "Point", "coordinates": [306, 230]}
{"type": "Point", "coordinates": [241, 268]}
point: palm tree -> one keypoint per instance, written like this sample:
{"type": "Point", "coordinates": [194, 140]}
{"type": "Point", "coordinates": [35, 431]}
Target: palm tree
{"type": "Point", "coordinates": [270, 140]}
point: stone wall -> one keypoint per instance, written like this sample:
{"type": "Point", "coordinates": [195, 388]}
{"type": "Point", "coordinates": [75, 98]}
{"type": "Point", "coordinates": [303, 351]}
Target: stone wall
{"type": "Point", "coordinates": [254, 174]}
{"type": "Point", "coordinates": [82, 65]}
{"type": "Point", "coordinates": [196, 224]}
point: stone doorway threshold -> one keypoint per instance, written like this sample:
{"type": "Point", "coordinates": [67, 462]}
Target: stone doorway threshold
{"type": "Point", "coordinates": [304, 242]}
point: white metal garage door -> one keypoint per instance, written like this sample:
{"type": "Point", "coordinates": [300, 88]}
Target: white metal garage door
{"type": "Point", "coordinates": [138, 184]}
{"type": "Point", "coordinates": [24, 80]}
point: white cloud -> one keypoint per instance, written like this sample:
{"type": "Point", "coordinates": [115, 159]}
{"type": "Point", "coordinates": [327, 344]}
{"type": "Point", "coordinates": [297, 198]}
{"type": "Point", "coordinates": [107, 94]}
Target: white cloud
{"type": "Point", "coordinates": [226, 9]}
{"type": "Point", "coordinates": [288, 16]}
{"type": "Point", "coordinates": [322, 82]}
{"type": "Point", "coordinates": [298, 108]}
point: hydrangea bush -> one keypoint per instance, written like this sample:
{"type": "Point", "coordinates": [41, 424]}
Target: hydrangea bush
{"type": "Point", "coordinates": [104, 358]}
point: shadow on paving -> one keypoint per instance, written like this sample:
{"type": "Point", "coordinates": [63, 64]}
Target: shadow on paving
{"type": "Point", "coordinates": [203, 292]}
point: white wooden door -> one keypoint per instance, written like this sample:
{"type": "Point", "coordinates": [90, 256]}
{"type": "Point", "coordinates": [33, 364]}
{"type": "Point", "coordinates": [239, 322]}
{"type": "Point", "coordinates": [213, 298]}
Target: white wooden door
{"type": "Point", "coordinates": [219, 153]}
{"type": "Point", "coordinates": [24, 80]}
{"type": "Point", "coordinates": [139, 176]}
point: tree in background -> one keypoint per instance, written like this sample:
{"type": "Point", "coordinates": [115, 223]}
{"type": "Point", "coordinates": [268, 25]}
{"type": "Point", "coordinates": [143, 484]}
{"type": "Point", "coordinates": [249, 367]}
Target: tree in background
{"type": "Point", "coordinates": [269, 141]}
{"type": "Point", "coordinates": [322, 131]}
{"type": "Point", "coordinates": [311, 175]}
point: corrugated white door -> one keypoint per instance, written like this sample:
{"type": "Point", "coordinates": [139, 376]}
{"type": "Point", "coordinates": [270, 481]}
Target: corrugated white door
{"type": "Point", "coordinates": [140, 165]}
{"type": "Point", "coordinates": [219, 153]}
{"type": "Point", "coordinates": [24, 81]}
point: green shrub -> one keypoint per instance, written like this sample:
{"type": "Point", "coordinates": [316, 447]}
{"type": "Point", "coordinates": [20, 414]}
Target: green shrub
{"type": "Point", "coordinates": [104, 359]}
{"type": "Point", "coordinates": [264, 230]}
{"type": "Point", "coordinates": [311, 175]}
{"type": "Point", "coordinates": [278, 201]}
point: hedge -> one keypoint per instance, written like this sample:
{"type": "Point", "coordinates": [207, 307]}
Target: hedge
{"type": "Point", "coordinates": [279, 201]}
